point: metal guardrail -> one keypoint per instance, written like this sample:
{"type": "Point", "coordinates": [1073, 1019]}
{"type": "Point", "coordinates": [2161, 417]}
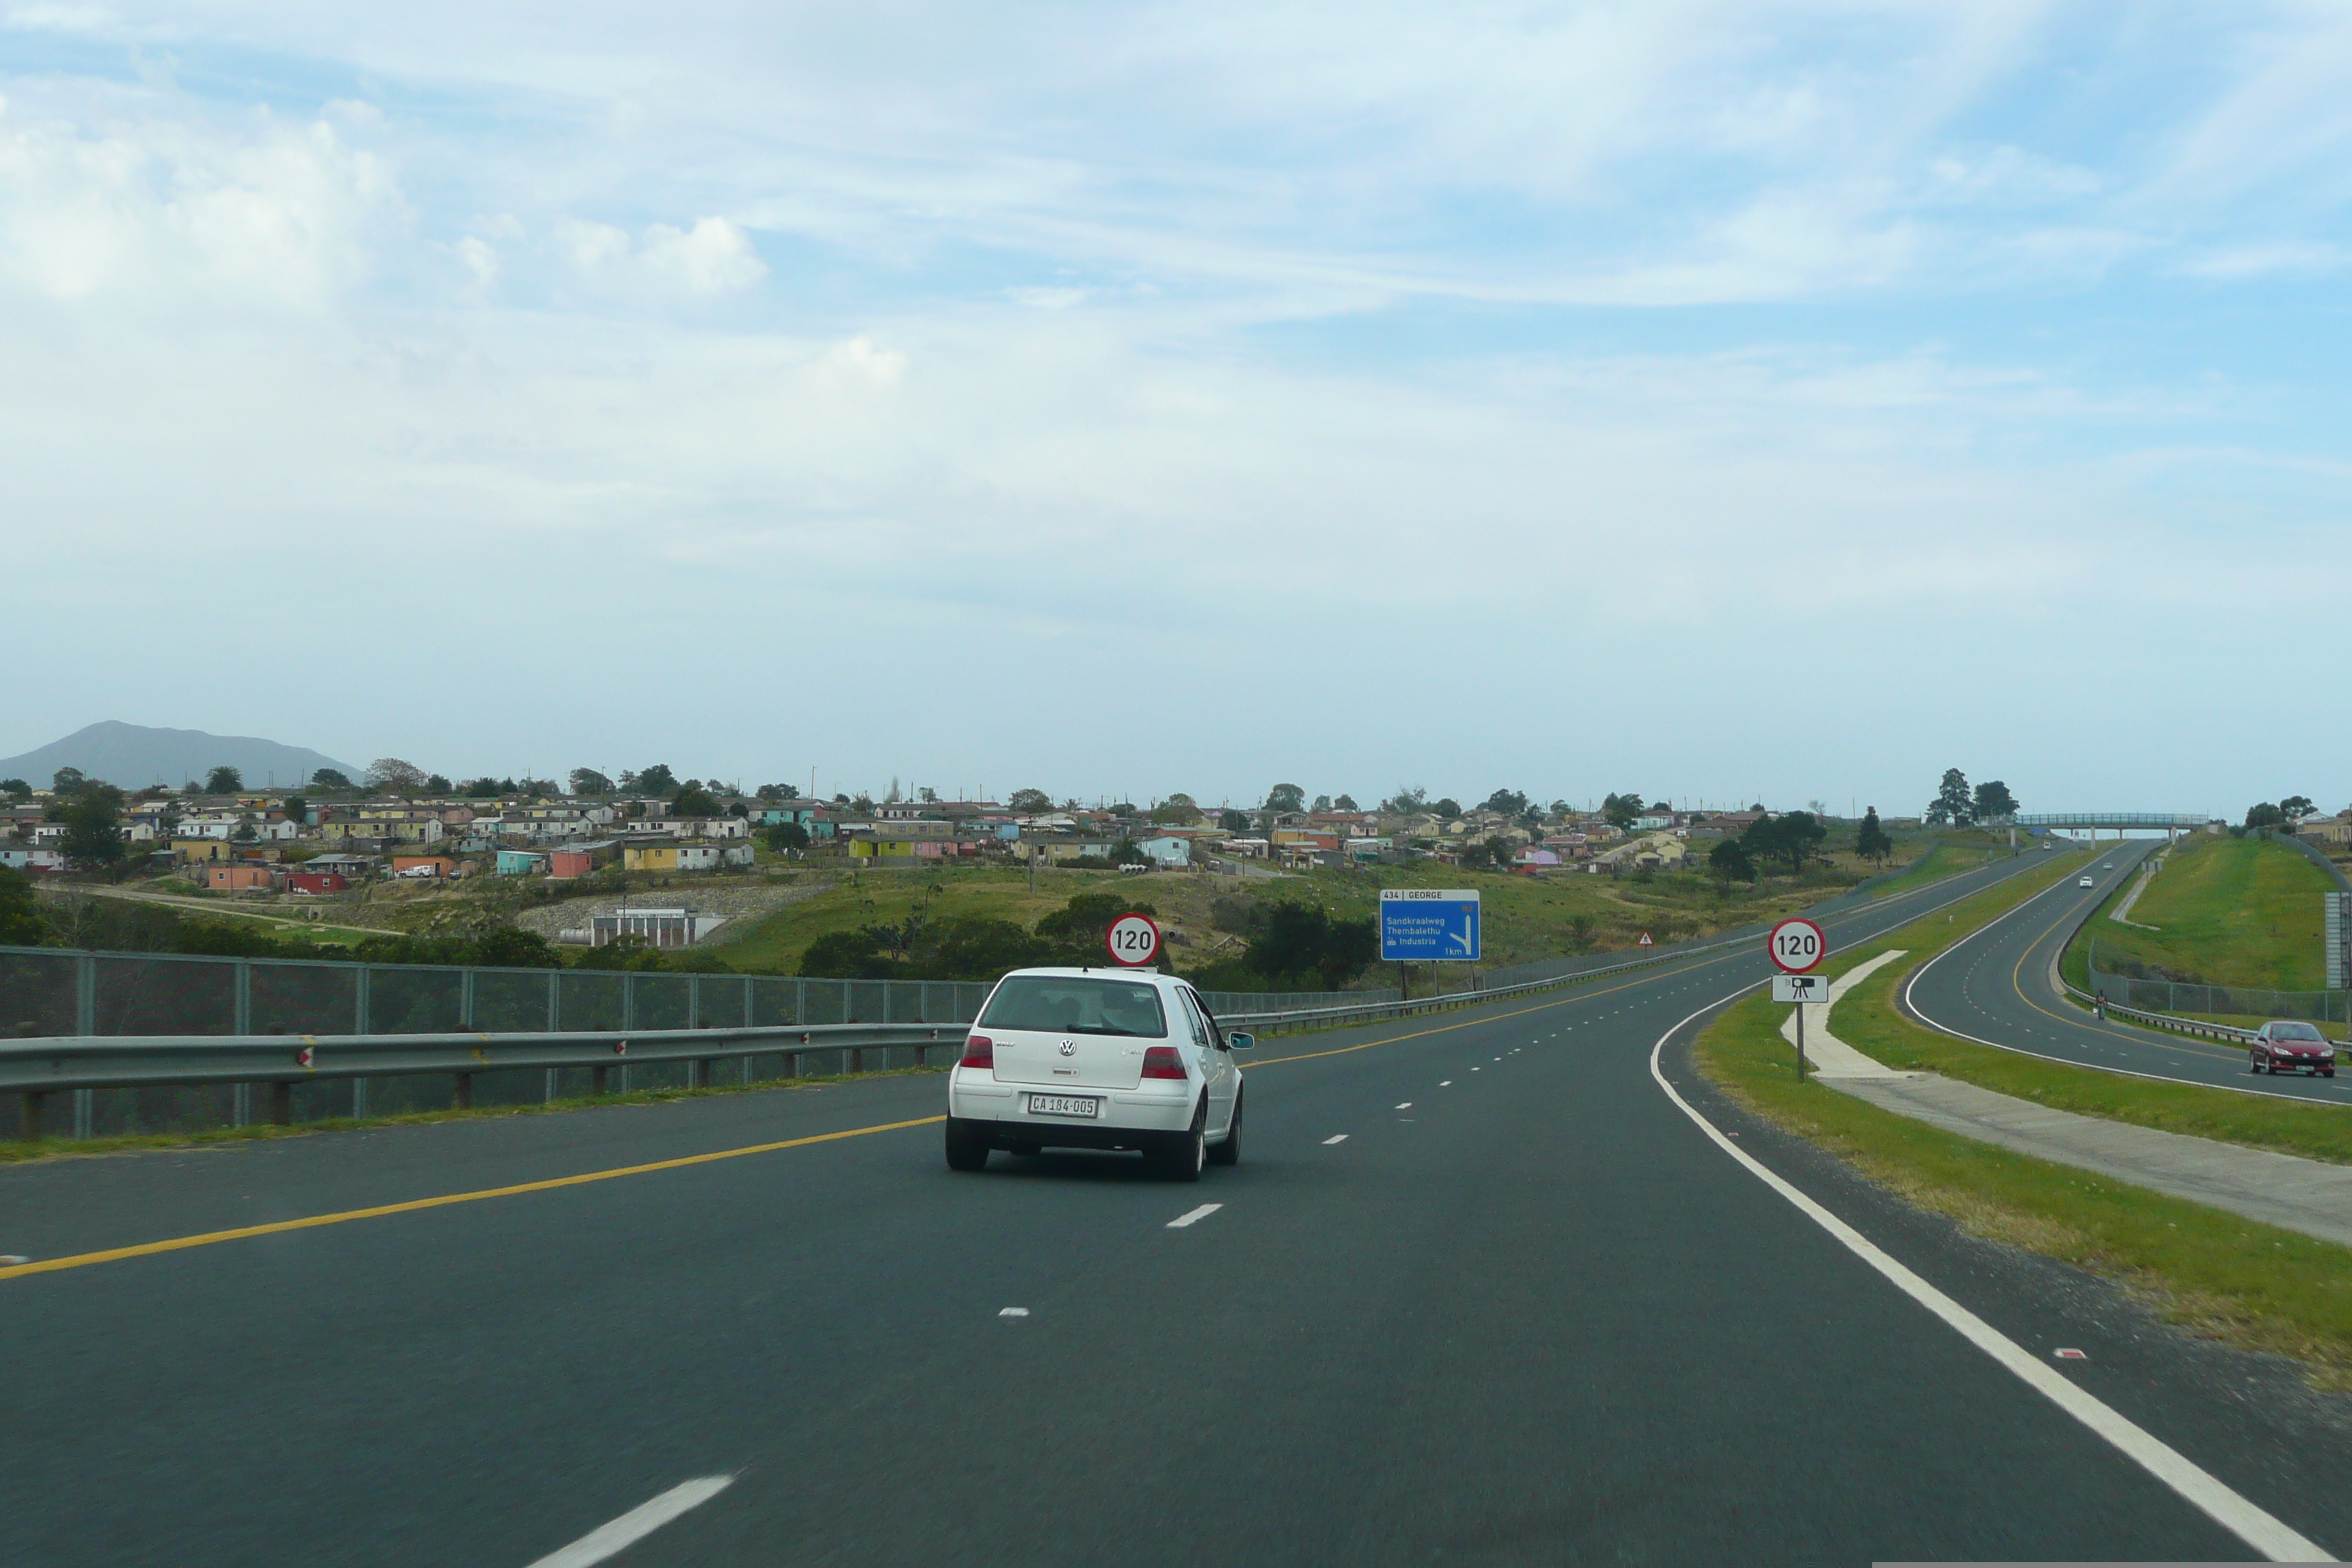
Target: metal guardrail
{"type": "Point", "coordinates": [38, 1067]}
{"type": "Point", "coordinates": [2224, 1032]}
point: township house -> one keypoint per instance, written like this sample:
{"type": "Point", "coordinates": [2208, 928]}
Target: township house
{"type": "Point", "coordinates": [240, 877]}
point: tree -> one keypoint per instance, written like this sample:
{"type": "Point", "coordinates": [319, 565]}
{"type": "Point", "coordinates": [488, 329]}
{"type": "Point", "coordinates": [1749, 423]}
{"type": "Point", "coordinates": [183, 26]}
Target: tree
{"type": "Point", "coordinates": [1406, 801]}
{"type": "Point", "coordinates": [588, 781]}
{"type": "Point", "coordinates": [1290, 940]}
{"type": "Point", "coordinates": [1730, 862]}
{"type": "Point", "coordinates": [1790, 836]}
{"type": "Point", "coordinates": [1345, 803]}
{"type": "Point", "coordinates": [1871, 841]}
{"type": "Point", "coordinates": [777, 794]}
{"type": "Point", "coordinates": [2265, 815]}
{"type": "Point", "coordinates": [20, 922]}
{"type": "Point", "coordinates": [1992, 800]}
{"type": "Point", "coordinates": [1029, 802]}
{"type": "Point", "coordinates": [849, 955]}
{"type": "Point", "coordinates": [487, 788]}
{"type": "Point", "coordinates": [1322, 802]}
{"type": "Point", "coordinates": [395, 777]}
{"type": "Point", "coordinates": [694, 801]}
{"type": "Point", "coordinates": [1177, 810]}
{"type": "Point", "coordinates": [1507, 801]}
{"type": "Point", "coordinates": [1285, 798]}
{"type": "Point", "coordinates": [438, 783]}
{"type": "Point", "coordinates": [92, 817]}
{"type": "Point", "coordinates": [15, 789]}
{"type": "Point", "coordinates": [223, 781]}
{"type": "Point", "coordinates": [1233, 821]}
{"type": "Point", "coordinates": [2296, 806]}
{"type": "Point", "coordinates": [1076, 933]}
{"type": "Point", "coordinates": [654, 780]}
{"type": "Point", "coordinates": [65, 781]}
{"type": "Point", "coordinates": [1620, 810]}
{"type": "Point", "coordinates": [786, 838]}
{"type": "Point", "coordinates": [1953, 804]}
{"type": "Point", "coordinates": [973, 947]}
{"type": "Point", "coordinates": [1449, 808]}
{"type": "Point", "coordinates": [330, 778]}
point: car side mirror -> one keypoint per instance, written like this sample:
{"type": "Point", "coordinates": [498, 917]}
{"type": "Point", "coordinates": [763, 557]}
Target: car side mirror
{"type": "Point", "coordinates": [1241, 1042]}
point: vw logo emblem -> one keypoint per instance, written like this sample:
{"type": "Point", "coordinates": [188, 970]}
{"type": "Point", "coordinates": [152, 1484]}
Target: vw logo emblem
{"type": "Point", "coordinates": [1069, 1048]}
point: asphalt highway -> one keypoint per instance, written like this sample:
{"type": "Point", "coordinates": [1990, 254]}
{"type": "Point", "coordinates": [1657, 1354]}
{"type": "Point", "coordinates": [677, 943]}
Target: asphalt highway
{"type": "Point", "coordinates": [1479, 1291]}
{"type": "Point", "coordinates": [1996, 987]}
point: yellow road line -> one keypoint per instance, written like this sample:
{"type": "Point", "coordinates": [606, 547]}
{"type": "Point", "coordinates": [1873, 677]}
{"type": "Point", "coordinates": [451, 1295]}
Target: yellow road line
{"type": "Point", "coordinates": [211, 1237]}
{"type": "Point", "coordinates": [2100, 1026]}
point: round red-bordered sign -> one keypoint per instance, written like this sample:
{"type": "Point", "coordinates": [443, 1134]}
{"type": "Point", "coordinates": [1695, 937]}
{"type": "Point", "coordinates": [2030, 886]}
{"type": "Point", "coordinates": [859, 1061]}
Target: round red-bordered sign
{"type": "Point", "coordinates": [1133, 940]}
{"type": "Point", "coordinates": [1796, 945]}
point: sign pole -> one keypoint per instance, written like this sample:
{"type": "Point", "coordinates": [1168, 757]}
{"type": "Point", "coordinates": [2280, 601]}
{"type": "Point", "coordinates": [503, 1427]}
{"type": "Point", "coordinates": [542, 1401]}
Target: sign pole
{"type": "Point", "coordinates": [1800, 1042]}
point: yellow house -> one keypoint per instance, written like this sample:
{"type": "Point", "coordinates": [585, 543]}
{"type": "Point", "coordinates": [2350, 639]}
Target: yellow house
{"type": "Point", "coordinates": [186, 850]}
{"type": "Point", "coordinates": [669, 856]}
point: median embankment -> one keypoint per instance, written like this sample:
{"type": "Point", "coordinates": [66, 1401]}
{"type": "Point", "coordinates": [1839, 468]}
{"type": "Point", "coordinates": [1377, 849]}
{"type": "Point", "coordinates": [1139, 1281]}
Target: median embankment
{"type": "Point", "coordinates": [2255, 1285]}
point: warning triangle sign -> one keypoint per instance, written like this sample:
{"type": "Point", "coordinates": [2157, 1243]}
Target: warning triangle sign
{"type": "Point", "coordinates": [1645, 941]}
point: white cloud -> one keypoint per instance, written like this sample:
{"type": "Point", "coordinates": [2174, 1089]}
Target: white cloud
{"type": "Point", "coordinates": [712, 257]}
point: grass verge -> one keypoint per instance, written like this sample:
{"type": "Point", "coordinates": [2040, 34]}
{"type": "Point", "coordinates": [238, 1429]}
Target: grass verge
{"type": "Point", "coordinates": [21, 1151]}
{"type": "Point", "coordinates": [2223, 1277]}
{"type": "Point", "coordinates": [2228, 911]}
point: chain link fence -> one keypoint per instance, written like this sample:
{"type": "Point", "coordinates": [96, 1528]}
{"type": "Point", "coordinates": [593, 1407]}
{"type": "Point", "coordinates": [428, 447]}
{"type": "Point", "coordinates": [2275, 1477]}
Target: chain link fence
{"type": "Point", "coordinates": [2220, 1001]}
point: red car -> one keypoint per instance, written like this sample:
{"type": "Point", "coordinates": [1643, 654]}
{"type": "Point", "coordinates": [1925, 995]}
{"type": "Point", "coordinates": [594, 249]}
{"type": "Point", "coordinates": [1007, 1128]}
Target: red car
{"type": "Point", "coordinates": [2283, 1047]}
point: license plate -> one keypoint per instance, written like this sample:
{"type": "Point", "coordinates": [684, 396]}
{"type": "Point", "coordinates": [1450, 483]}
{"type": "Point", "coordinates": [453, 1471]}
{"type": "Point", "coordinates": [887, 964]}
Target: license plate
{"type": "Point", "coordinates": [1064, 1105]}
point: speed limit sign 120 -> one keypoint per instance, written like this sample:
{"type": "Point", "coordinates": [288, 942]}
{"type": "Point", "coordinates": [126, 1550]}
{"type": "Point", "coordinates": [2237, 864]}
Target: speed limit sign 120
{"type": "Point", "coordinates": [1796, 945]}
{"type": "Point", "coordinates": [1133, 939]}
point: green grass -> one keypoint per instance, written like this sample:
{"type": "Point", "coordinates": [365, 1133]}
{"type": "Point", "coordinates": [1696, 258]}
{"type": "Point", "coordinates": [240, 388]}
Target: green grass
{"type": "Point", "coordinates": [2227, 1278]}
{"type": "Point", "coordinates": [2230, 911]}
{"type": "Point", "coordinates": [1943, 860]}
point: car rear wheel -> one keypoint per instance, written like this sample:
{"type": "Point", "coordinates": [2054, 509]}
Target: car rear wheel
{"type": "Point", "coordinates": [1229, 1152]}
{"type": "Point", "coordinates": [1181, 1157]}
{"type": "Point", "coordinates": [967, 1147]}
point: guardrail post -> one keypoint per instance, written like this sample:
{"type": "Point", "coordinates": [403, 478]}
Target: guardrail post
{"type": "Point", "coordinates": [359, 1099]}
{"type": "Point", "coordinates": [464, 1097]}
{"type": "Point", "coordinates": [282, 1103]}
{"type": "Point", "coordinates": [33, 1100]}
{"type": "Point", "coordinates": [550, 1095]}
{"type": "Point", "coordinates": [600, 1078]}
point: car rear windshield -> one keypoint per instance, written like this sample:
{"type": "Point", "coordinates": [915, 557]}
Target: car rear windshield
{"type": "Point", "coordinates": [2294, 1032]}
{"type": "Point", "coordinates": [1052, 1005]}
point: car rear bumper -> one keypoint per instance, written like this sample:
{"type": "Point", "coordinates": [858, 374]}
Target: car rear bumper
{"type": "Point", "coordinates": [1126, 1119]}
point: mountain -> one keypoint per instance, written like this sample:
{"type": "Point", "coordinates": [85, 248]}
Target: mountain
{"type": "Point", "coordinates": [135, 756]}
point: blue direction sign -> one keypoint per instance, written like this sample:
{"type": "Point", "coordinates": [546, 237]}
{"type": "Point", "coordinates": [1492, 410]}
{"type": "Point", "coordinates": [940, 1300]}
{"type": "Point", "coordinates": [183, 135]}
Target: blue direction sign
{"type": "Point", "coordinates": [1429, 925]}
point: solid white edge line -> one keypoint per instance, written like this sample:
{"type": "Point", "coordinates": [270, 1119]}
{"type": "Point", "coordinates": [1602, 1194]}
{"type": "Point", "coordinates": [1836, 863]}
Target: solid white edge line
{"type": "Point", "coordinates": [1204, 1212]}
{"type": "Point", "coordinates": [609, 1539]}
{"type": "Point", "coordinates": [2266, 1534]}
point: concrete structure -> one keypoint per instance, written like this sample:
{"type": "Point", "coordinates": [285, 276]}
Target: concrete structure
{"type": "Point", "coordinates": [656, 928]}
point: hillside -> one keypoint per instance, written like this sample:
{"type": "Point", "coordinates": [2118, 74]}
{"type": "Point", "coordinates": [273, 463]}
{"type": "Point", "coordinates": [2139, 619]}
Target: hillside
{"type": "Point", "coordinates": [134, 756]}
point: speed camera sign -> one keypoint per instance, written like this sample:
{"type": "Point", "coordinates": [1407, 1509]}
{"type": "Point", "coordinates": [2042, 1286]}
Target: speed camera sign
{"type": "Point", "coordinates": [1133, 939]}
{"type": "Point", "coordinates": [1796, 945]}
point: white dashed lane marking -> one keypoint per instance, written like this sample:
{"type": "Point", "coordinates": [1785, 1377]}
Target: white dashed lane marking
{"type": "Point", "coordinates": [610, 1540]}
{"type": "Point", "coordinates": [1406, 1106]}
{"type": "Point", "coordinates": [1447, 1084]}
{"type": "Point", "coordinates": [1204, 1212]}
{"type": "Point", "coordinates": [1342, 1138]}
{"type": "Point", "coordinates": [1014, 1312]}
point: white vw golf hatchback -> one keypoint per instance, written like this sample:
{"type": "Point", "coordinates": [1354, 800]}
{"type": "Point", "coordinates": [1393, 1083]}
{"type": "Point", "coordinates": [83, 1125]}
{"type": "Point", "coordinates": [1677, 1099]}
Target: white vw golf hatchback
{"type": "Point", "coordinates": [1098, 1059]}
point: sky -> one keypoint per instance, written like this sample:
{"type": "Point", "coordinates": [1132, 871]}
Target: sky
{"type": "Point", "coordinates": [1724, 402]}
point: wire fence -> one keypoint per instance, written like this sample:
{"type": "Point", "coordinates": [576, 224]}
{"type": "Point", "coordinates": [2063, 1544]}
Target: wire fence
{"type": "Point", "coordinates": [2221, 1001]}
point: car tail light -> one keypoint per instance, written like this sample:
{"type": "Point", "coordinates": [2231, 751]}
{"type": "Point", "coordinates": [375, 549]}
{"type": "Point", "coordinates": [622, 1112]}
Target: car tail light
{"type": "Point", "coordinates": [1161, 1061]}
{"type": "Point", "coordinates": [979, 1051]}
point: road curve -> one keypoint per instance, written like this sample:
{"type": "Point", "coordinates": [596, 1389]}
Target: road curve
{"type": "Point", "coordinates": [1478, 1292]}
{"type": "Point", "coordinates": [1996, 987]}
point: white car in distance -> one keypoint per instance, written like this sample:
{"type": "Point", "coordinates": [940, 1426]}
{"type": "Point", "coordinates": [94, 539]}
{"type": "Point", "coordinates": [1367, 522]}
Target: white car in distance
{"type": "Point", "coordinates": [1098, 1059]}
{"type": "Point", "coordinates": [2085, 882]}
